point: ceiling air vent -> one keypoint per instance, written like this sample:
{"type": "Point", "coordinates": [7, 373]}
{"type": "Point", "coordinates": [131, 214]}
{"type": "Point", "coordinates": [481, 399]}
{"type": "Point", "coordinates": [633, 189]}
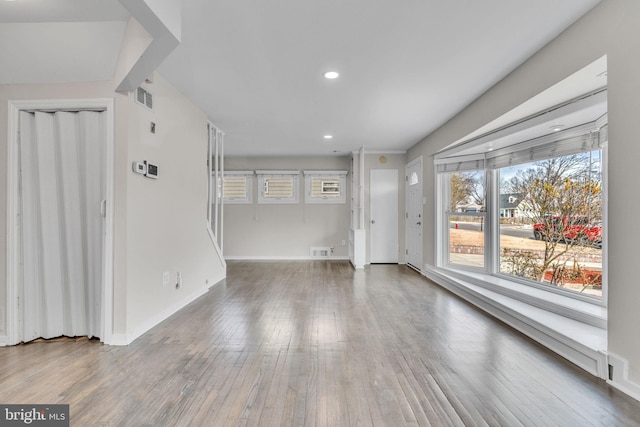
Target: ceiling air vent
{"type": "Point", "coordinates": [144, 97]}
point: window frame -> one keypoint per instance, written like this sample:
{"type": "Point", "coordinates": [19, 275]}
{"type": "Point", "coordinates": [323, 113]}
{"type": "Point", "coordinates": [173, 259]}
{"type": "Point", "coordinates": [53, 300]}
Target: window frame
{"type": "Point", "coordinates": [339, 175]}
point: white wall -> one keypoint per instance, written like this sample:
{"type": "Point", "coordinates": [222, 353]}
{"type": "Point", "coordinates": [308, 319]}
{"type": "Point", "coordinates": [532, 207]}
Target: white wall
{"type": "Point", "coordinates": [611, 29]}
{"type": "Point", "coordinates": [286, 231]}
{"type": "Point", "coordinates": [167, 217]}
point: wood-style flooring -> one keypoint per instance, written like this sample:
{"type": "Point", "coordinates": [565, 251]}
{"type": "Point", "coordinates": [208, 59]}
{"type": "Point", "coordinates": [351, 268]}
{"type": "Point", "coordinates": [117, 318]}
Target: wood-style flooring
{"type": "Point", "coordinates": [315, 343]}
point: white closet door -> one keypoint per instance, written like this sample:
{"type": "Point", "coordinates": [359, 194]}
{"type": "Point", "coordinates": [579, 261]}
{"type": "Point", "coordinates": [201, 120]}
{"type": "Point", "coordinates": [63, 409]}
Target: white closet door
{"type": "Point", "coordinates": [62, 183]}
{"type": "Point", "coordinates": [383, 230]}
{"type": "Point", "coordinates": [93, 134]}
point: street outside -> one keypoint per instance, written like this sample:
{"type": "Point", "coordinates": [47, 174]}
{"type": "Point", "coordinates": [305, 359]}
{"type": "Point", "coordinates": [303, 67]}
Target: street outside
{"type": "Point", "coordinates": [525, 231]}
{"type": "Point", "coordinates": [517, 237]}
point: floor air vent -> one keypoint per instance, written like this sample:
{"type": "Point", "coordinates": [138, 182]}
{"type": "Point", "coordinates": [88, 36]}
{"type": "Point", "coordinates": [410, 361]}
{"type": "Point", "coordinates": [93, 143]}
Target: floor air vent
{"type": "Point", "coordinates": [320, 252]}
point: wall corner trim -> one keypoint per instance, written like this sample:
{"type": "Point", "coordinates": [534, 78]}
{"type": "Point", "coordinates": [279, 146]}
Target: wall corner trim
{"type": "Point", "coordinates": [619, 368]}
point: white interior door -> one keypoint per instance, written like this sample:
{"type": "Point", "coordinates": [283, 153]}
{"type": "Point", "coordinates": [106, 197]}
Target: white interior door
{"type": "Point", "coordinates": [62, 207]}
{"type": "Point", "coordinates": [383, 227]}
{"type": "Point", "coordinates": [414, 221]}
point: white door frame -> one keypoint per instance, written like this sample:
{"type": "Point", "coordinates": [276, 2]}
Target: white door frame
{"type": "Point", "coordinates": [407, 201]}
{"type": "Point", "coordinates": [13, 259]}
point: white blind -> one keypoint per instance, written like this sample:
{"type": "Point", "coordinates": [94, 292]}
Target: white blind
{"type": "Point", "coordinates": [586, 137]}
{"type": "Point", "coordinates": [278, 188]}
{"type": "Point", "coordinates": [460, 164]}
{"type": "Point", "coordinates": [235, 187]}
{"type": "Point", "coordinates": [532, 152]}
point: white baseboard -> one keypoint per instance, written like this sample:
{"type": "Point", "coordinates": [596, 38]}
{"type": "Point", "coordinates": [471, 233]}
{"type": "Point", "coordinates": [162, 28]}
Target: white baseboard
{"type": "Point", "coordinates": [119, 339]}
{"type": "Point", "coordinates": [4, 340]}
{"type": "Point", "coordinates": [284, 258]}
{"type": "Point", "coordinates": [619, 376]}
{"type": "Point", "coordinates": [128, 338]}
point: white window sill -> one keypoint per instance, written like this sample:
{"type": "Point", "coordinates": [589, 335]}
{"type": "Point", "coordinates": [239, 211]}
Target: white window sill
{"type": "Point", "coordinates": [573, 328]}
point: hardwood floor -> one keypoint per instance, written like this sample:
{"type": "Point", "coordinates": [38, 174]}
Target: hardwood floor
{"type": "Point", "coordinates": [316, 344]}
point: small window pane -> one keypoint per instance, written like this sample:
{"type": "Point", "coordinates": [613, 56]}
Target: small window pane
{"type": "Point", "coordinates": [466, 240]}
{"type": "Point", "coordinates": [466, 216]}
{"type": "Point", "coordinates": [414, 179]}
{"type": "Point", "coordinates": [552, 232]}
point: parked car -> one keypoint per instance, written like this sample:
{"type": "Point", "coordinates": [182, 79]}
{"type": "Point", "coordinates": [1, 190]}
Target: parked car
{"type": "Point", "coordinates": [569, 229]}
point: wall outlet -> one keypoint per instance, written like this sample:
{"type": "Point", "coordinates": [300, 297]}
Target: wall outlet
{"type": "Point", "coordinates": [165, 278]}
{"type": "Point", "coordinates": [344, 243]}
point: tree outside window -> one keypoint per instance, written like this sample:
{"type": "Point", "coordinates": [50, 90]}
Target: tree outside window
{"type": "Point", "coordinates": [563, 207]}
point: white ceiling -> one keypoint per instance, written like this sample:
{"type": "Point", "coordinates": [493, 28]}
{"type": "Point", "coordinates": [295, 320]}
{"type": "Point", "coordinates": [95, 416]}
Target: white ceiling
{"type": "Point", "coordinates": [255, 67]}
{"type": "Point", "coordinates": [56, 41]}
{"type": "Point", "coordinates": [21, 11]}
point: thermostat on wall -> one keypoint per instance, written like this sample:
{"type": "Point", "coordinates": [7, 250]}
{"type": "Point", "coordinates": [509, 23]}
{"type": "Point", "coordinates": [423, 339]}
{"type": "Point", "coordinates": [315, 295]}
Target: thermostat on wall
{"type": "Point", "coordinates": [152, 170]}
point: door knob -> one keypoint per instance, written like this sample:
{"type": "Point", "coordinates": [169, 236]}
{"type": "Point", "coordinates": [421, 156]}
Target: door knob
{"type": "Point", "coordinates": [418, 223]}
{"type": "Point", "coordinates": [373, 221]}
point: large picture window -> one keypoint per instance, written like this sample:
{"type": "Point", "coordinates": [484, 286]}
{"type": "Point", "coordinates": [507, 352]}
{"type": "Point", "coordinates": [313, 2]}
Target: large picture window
{"type": "Point", "coordinates": [532, 211]}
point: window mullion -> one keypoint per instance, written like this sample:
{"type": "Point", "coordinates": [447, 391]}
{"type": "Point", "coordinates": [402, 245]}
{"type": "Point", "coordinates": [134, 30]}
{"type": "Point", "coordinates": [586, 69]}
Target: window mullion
{"type": "Point", "coordinates": [492, 242]}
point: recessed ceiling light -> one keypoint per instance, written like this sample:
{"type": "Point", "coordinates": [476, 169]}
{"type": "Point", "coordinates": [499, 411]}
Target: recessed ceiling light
{"type": "Point", "coordinates": [331, 75]}
{"type": "Point", "coordinates": [557, 128]}
{"type": "Point", "coordinates": [328, 137]}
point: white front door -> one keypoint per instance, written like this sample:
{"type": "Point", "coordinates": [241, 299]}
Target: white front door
{"type": "Point", "coordinates": [414, 221]}
{"type": "Point", "coordinates": [383, 227]}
